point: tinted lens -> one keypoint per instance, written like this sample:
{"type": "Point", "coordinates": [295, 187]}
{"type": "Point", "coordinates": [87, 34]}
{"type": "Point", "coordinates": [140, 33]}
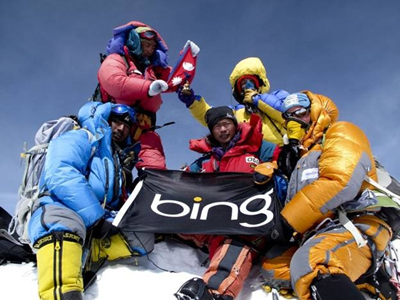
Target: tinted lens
{"type": "Point", "coordinates": [148, 35]}
{"type": "Point", "coordinates": [248, 84]}
{"type": "Point", "coordinates": [297, 113]}
{"type": "Point", "coordinates": [300, 112]}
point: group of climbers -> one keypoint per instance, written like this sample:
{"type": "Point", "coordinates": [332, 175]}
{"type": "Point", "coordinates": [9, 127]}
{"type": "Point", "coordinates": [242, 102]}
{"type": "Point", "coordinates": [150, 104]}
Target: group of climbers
{"type": "Point", "coordinates": [326, 163]}
{"type": "Point", "coordinates": [87, 177]}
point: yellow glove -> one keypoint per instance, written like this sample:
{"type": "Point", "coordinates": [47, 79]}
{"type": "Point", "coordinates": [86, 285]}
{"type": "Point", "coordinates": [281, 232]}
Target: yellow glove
{"type": "Point", "coordinates": [263, 172]}
{"type": "Point", "coordinates": [285, 293]}
{"type": "Point", "coordinates": [248, 95]}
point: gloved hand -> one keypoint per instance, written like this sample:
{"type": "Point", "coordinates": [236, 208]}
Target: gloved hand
{"type": "Point", "coordinates": [131, 156]}
{"type": "Point", "coordinates": [193, 46]}
{"type": "Point", "coordinates": [186, 98]}
{"type": "Point", "coordinates": [263, 172]}
{"type": "Point", "coordinates": [160, 59]}
{"type": "Point", "coordinates": [286, 232]}
{"type": "Point", "coordinates": [288, 157]}
{"type": "Point", "coordinates": [104, 229]}
{"type": "Point", "coordinates": [157, 86]}
{"type": "Point", "coordinates": [248, 96]}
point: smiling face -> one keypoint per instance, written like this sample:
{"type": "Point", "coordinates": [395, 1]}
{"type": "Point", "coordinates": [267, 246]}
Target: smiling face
{"type": "Point", "coordinates": [224, 131]}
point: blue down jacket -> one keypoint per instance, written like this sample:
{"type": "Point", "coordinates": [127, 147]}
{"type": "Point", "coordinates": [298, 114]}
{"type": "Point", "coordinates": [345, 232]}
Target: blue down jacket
{"type": "Point", "coordinates": [79, 171]}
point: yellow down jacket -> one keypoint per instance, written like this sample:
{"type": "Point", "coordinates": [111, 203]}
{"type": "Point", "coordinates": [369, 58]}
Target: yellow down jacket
{"type": "Point", "coordinates": [330, 172]}
{"type": "Point", "coordinates": [273, 123]}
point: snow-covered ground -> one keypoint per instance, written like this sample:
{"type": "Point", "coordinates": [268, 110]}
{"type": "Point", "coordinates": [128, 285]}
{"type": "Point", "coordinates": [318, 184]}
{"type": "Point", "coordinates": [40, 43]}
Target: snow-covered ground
{"type": "Point", "coordinates": [134, 280]}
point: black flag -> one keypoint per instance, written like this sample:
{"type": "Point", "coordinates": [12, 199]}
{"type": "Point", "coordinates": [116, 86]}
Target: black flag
{"type": "Point", "coordinates": [165, 201]}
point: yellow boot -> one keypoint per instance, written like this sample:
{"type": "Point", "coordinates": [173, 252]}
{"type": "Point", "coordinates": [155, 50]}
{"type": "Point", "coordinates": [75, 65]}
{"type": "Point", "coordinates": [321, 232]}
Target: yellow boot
{"type": "Point", "coordinates": [59, 260]}
{"type": "Point", "coordinates": [112, 248]}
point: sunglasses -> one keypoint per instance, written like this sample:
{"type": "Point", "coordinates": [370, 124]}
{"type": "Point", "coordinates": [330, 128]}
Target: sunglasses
{"type": "Point", "coordinates": [148, 35]}
{"type": "Point", "coordinates": [300, 113]}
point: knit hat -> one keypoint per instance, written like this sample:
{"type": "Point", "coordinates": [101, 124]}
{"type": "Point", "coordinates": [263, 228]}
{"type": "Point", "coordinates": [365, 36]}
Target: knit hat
{"type": "Point", "coordinates": [216, 114]}
{"type": "Point", "coordinates": [296, 99]}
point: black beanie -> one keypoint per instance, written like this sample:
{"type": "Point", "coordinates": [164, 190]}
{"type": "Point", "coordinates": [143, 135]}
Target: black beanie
{"type": "Point", "coordinates": [216, 114]}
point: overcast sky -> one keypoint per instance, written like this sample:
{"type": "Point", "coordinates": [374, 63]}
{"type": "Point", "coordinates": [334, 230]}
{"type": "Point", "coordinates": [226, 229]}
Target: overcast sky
{"type": "Point", "coordinates": [346, 50]}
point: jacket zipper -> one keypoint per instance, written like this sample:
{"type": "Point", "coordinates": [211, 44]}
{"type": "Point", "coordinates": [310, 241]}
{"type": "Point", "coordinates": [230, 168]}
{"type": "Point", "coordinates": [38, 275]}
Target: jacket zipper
{"type": "Point", "coordinates": [57, 265]}
{"type": "Point", "coordinates": [107, 183]}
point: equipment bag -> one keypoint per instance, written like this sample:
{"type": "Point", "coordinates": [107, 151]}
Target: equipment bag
{"type": "Point", "coordinates": [388, 195]}
{"type": "Point", "coordinates": [34, 158]}
{"type": "Point", "coordinates": [385, 282]}
{"type": "Point", "coordinates": [10, 249]}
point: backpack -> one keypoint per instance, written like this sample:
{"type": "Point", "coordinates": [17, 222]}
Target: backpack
{"type": "Point", "coordinates": [29, 192]}
{"type": "Point", "coordinates": [11, 250]}
{"type": "Point", "coordinates": [385, 281]}
{"type": "Point", "coordinates": [388, 195]}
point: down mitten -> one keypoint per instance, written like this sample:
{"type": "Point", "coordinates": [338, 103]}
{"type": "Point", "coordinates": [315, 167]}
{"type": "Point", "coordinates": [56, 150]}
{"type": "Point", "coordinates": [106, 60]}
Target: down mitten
{"type": "Point", "coordinates": [157, 86]}
{"type": "Point", "coordinates": [104, 229]}
{"type": "Point", "coordinates": [264, 172]}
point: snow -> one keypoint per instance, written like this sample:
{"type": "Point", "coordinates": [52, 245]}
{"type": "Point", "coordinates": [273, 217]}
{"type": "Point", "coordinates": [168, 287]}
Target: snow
{"type": "Point", "coordinates": [133, 279]}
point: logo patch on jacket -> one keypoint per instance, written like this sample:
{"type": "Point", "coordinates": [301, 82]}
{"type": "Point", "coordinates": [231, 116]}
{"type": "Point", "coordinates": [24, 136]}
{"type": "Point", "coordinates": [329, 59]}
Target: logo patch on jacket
{"type": "Point", "coordinates": [309, 174]}
{"type": "Point", "coordinates": [252, 160]}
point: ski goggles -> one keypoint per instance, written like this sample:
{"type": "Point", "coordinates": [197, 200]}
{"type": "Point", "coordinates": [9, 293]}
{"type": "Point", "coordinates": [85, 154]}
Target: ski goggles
{"type": "Point", "coordinates": [147, 35]}
{"type": "Point", "coordinates": [300, 113]}
{"type": "Point", "coordinates": [124, 113]}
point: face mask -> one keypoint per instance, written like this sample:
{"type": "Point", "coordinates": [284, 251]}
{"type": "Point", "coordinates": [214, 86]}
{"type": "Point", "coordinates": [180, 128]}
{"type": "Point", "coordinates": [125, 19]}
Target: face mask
{"type": "Point", "coordinates": [295, 130]}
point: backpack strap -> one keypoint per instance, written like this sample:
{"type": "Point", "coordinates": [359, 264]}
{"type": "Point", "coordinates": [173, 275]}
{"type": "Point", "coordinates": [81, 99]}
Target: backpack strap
{"type": "Point", "coordinates": [344, 220]}
{"type": "Point", "coordinates": [381, 188]}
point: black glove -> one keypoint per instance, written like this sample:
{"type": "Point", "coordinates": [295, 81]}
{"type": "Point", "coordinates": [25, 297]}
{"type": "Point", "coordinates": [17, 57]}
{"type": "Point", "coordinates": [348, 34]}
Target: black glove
{"type": "Point", "coordinates": [283, 232]}
{"type": "Point", "coordinates": [288, 157]}
{"type": "Point", "coordinates": [104, 229]}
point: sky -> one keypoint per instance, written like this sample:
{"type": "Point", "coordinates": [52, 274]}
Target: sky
{"type": "Point", "coordinates": [346, 50]}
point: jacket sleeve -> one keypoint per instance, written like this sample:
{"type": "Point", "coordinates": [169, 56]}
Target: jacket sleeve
{"type": "Point", "coordinates": [113, 77]}
{"type": "Point", "coordinates": [64, 175]}
{"type": "Point", "coordinates": [271, 104]}
{"type": "Point", "coordinates": [267, 151]}
{"type": "Point", "coordinates": [198, 110]}
{"type": "Point", "coordinates": [345, 160]}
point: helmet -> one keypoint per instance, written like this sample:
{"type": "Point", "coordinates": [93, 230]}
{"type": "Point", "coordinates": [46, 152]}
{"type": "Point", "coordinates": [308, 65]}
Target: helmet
{"type": "Point", "coordinates": [296, 99]}
{"type": "Point", "coordinates": [123, 113]}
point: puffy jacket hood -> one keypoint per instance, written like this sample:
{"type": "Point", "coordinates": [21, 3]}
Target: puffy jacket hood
{"type": "Point", "coordinates": [120, 35]}
{"type": "Point", "coordinates": [323, 113]}
{"type": "Point", "coordinates": [94, 117]}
